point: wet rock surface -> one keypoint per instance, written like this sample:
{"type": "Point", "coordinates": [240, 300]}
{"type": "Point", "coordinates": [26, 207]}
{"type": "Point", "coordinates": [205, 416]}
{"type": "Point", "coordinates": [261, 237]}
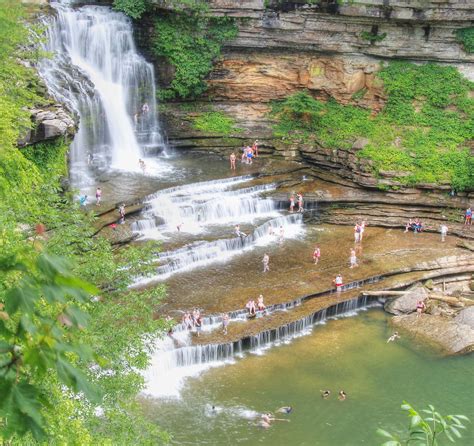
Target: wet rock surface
{"type": "Point", "coordinates": [448, 334]}
{"type": "Point", "coordinates": [407, 303]}
{"type": "Point", "coordinates": [466, 317]}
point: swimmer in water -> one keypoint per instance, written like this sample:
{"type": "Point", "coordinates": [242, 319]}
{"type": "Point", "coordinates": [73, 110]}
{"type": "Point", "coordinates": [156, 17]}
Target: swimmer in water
{"type": "Point", "coordinates": [325, 393]}
{"type": "Point", "coordinates": [268, 418]}
{"type": "Point", "coordinates": [394, 337]}
{"type": "Point", "coordinates": [284, 409]}
{"type": "Point", "coordinates": [342, 395]}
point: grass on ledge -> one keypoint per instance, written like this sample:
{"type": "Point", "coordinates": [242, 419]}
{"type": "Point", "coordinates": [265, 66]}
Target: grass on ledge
{"type": "Point", "coordinates": [424, 130]}
{"type": "Point", "coordinates": [216, 123]}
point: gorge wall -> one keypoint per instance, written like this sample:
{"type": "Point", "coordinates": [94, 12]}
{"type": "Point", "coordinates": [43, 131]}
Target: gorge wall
{"type": "Point", "coordinates": [333, 49]}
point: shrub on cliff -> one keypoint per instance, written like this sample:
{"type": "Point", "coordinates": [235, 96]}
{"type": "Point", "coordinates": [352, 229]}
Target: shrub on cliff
{"type": "Point", "coordinates": [133, 8]}
{"type": "Point", "coordinates": [190, 41]}
{"type": "Point", "coordinates": [423, 130]}
{"type": "Point", "coordinates": [465, 36]}
{"type": "Point", "coordinates": [215, 122]}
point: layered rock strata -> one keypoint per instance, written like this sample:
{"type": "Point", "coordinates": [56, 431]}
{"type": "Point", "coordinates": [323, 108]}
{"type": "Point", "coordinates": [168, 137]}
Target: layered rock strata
{"type": "Point", "coordinates": [49, 123]}
{"type": "Point", "coordinates": [332, 50]}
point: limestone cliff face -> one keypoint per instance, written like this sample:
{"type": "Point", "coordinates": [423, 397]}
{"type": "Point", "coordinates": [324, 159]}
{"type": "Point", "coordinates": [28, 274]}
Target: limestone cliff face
{"type": "Point", "coordinates": [413, 29]}
{"type": "Point", "coordinates": [322, 48]}
{"type": "Point", "coordinates": [332, 50]}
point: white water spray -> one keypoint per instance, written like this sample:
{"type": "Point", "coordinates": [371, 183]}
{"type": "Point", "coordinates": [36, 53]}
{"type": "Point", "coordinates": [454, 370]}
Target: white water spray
{"type": "Point", "coordinates": [98, 73]}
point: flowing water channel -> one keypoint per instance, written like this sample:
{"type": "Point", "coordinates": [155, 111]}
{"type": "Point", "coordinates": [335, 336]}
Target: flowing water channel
{"type": "Point", "coordinates": [192, 206]}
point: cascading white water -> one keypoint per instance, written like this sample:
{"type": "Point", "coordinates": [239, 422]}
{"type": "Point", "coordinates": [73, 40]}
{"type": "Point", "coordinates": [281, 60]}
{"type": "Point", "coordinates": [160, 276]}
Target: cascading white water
{"type": "Point", "coordinates": [96, 70]}
{"type": "Point", "coordinates": [175, 359]}
{"type": "Point", "coordinates": [195, 206]}
{"type": "Point", "coordinates": [203, 253]}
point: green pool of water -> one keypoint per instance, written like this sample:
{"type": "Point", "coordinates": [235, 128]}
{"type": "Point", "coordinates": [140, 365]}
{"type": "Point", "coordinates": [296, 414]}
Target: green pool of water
{"type": "Point", "coordinates": [350, 354]}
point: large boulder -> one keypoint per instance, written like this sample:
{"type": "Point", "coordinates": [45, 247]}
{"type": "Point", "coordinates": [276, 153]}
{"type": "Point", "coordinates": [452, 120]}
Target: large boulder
{"type": "Point", "coordinates": [466, 317]}
{"type": "Point", "coordinates": [407, 303]}
{"type": "Point", "coordinates": [49, 123]}
{"type": "Point", "coordinates": [445, 333]}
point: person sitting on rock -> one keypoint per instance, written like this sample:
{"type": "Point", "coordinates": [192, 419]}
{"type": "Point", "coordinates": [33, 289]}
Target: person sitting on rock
{"type": "Point", "coordinates": [418, 226]}
{"type": "Point", "coordinates": [251, 308]}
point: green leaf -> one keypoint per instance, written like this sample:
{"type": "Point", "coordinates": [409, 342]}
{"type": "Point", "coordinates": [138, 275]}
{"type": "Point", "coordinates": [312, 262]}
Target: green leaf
{"type": "Point", "coordinates": [20, 298]}
{"type": "Point", "coordinates": [20, 406]}
{"type": "Point", "coordinates": [450, 437]}
{"type": "Point", "coordinates": [75, 282]}
{"type": "Point", "coordinates": [455, 432]}
{"type": "Point", "coordinates": [384, 433]}
{"type": "Point", "coordinates": [28, 325]}
{"type": "Point", "coordinates": [53, 293]}
{"type": "Point", "coordinates": [5, 346]}
{"type": "Point", "coordinates": [391, 443]}
{"type": "Point", "coordinates": [463, 417]}
{"type": "Point", "coordinates": [76, 380]}
{"type": "Point", "coordinates": [51, 266]}
{"type": "Point", "coordinates": [415, 421]}
{"type": "Point", "coordinates": [78, 317]}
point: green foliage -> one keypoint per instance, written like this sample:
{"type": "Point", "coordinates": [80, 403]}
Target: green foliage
{"type": "Point", "coordinates": [359, 94]}
{"type": "Point", "coordinates": [465, 36]}
{"type": "Point", "coordinates": [46, 368]}
{"type": "Point", "coordinates": [425, 430]}
{"type": "Point", "coordinates": [15, 96]}
{"type": "Point", "coordinates": [48, 157]}
{"type": "Point", "coordinates": [215, 122]}
{"type": "Point", "coordinates": [372, 38]}
{"type": "Point", "coordinates": [133, 8]}
{"type": "Point", "coordinates": [423, 130]}
{"type": "Point", "coordinates": [190, 41]}
{"type": "Point", "coordinates": [38, 323]}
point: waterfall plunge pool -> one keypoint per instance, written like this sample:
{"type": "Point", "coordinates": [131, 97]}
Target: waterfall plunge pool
{"type": "Point", "coordinates": [347, 353]}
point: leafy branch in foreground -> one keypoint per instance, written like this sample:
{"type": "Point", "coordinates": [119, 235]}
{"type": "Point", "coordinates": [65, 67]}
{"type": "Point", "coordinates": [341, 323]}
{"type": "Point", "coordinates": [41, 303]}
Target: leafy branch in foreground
{"type": "Point", "coordinates": [426, 430]}
{"type": "Point", "coordinates": [38, 320]}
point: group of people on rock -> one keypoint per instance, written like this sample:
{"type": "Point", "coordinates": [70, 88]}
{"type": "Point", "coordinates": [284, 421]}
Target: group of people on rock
{"type": "Point", "coordinates": [417, 226]}
{"type": "Point", "coordinates": [192, 320]}
{"type": "Point", "coordinates": [254, 308]}
{"type": "Point", "coordinates": [299, 198]}
{"type": "Point", "coordinates": [414, 225]}
{"type": "Point", "coordinates": [248, 154]}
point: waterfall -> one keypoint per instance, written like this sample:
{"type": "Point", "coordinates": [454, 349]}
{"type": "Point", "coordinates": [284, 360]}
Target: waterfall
{"type": "Point", "coordinates": [203, 253]}
{"type": "Point", "coordinates": [95, 69]}
{"type": "Point", "coordinates": [175, 359]}
{"type": "Point", "coordinates": [172, 363]}
{"type": "Point", "coordinates": [198, 207]}
{"type": "Point", "coordinates": [194, 207]}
